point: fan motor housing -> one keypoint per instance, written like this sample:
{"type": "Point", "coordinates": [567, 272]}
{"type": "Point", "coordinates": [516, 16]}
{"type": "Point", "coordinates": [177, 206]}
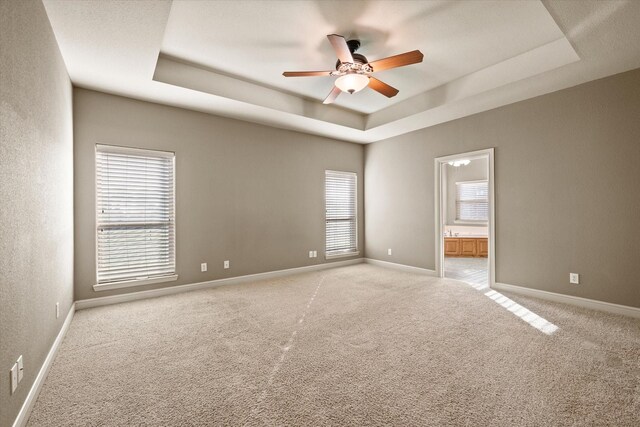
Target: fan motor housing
{"type": "Point", "coordinates": [357, 58]}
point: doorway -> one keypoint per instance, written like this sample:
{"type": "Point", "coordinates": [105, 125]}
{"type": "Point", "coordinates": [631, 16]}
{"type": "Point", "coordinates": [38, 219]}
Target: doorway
{"type": "Point", "coordinates": [465, 217]}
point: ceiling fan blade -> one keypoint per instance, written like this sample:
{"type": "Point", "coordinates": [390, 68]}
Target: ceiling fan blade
{"type": "Point", "coordinates": [401, 60]}
{"type": "Point", "coordinates": [332, 95]}
{"type": "Point", "coordinates": [340, 46]}
{"type": "Point", "coordinates": [382, 87]}
{"type": "Point", "coordinates": [306, 73]}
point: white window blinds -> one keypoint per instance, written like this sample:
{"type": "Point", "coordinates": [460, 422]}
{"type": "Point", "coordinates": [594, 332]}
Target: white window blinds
{"type": "Point", "coordinates": [472, 201]}
{"type": "Point", "coordinates": [135, 214]}
{"type": "Point", "coordinates": [341, 216]}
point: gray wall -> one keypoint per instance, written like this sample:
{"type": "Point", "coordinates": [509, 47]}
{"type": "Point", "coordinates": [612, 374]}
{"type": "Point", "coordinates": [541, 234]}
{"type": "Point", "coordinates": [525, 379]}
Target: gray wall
{"type": "Point", "coordinates": [474, 171]}
{"type": "Point", "coordinates": [567, 169]}
{"type": "Point", "coordinates": [36, 194]}
{"type": "Point", "coordinates": [247, 193]}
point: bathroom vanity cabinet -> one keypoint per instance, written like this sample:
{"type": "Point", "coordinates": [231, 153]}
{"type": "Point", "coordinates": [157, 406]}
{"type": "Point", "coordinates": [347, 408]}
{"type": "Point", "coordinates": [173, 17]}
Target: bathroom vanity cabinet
{"type": "Point", "coordinates": [466, 246]}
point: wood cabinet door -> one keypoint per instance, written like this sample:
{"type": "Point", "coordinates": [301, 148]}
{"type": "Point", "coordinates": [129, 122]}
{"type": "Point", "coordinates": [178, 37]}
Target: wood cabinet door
{"type": "Point", "coordinates": [451, 247]}
{"type": "Point", "coordinates": [483, 247]}
{"type": "Point", "coordinates": [468, 247]}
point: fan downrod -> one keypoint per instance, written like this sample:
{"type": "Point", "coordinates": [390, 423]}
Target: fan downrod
{"type": "Point", "coordinates": [353, 45]}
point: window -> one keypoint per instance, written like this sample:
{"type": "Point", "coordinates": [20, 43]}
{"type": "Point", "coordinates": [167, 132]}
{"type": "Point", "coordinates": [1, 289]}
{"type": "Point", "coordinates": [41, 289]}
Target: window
{"type": "Point", "coordinates": [341, 216]}
{"type": "Point", "coordinates": [135, 216]}
{"type": "Point", "coordinates": [472, 201]}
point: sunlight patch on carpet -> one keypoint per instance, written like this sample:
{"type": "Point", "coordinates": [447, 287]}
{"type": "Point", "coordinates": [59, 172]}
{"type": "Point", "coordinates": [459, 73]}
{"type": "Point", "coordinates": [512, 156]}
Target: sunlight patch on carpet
{"type": "Point", "coordinates": [478, 286]}
{"type": "Point", "coordinates": [525, 314]}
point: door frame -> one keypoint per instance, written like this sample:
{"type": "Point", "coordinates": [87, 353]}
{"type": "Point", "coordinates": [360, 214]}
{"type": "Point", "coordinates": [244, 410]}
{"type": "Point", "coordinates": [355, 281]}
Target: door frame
{"type": "Point", "coordinates": [439, 162]}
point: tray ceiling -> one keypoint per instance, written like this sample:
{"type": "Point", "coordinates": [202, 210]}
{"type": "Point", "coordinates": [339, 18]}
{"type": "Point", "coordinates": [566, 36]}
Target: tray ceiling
{"type": "Point", "coordinates": [227, 57]}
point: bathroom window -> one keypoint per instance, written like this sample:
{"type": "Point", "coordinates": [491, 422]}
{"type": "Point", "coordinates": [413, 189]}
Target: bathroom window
{"type": "Point", "coordinates": [472, 201]}
{"type": "Point", "coordinates": [135, 217]}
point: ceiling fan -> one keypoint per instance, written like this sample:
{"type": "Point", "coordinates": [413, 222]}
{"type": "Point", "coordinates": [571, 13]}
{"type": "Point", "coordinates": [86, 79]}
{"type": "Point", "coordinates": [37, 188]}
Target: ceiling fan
{"type": "Point", "coordinates": [354, 71]}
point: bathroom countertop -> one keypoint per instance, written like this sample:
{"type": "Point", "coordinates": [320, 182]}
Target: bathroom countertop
{"type": "Point", "coordinates": [467, 236]}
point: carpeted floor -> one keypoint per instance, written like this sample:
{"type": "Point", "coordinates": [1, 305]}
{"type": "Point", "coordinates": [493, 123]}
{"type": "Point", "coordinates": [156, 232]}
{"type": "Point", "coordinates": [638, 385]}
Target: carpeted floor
{"type": "Point", "coordinates": [359, 345]}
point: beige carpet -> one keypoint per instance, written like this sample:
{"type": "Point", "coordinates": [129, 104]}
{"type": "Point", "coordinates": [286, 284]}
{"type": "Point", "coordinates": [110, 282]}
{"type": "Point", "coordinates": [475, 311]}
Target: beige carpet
{"type": "Point", "coordinates": [358, 345]}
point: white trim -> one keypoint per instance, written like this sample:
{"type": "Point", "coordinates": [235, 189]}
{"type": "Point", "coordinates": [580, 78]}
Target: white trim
{"type": "Point", "coordinates": [402, 267]}
{"type": "Point", "coordinates": [492, 217]}
{"type": "Point", "coordinates": [32, 396]}
{"type": "Point", "coordinates": [608, 307]}
{"type": "Point", "coordinates": [471, 181]}
{"type": "Point", "coordinates": [132, 296]}
{"type": "Point", "coordinates": [470, 155]}
{"type": "Point", "coordinates": [341, 255]}
{"type": "Point", "coordinates": [439, 206]}
{"type": "Point", "coordinates": [135, 151]}
{"type": "Point", "coordinates": [470, 222]}
{"type": "Point", "coordinates": [132, 283]}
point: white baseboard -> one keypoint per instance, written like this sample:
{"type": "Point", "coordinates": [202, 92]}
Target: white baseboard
{"type": "Point", "coordinates": [27, 406]}
{"type": "Point", "coordinates": [132, 296]}
{"type": "Point", "coordinates": [624, 310]}
{"type": "Point", "coordinates": [402, 267]}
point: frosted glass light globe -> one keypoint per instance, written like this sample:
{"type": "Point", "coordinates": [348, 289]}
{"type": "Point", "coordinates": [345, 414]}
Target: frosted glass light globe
{"type": "Point", "coordinates": [352, 82]}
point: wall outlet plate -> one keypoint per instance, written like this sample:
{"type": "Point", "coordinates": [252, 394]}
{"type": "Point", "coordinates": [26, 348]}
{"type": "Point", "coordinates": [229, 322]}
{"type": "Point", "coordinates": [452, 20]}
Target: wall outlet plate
{"type": "Point", "coordinates": [389, 252]}
{"type": "Point", "coordinates": [574, 278]}
{"type": "Point", "coordinates": [14, 378]}
{"type": "Point", "coordinates": [315, 254]}
{"type": "Point", "coordinates": [203, 267]}
{"type": "Point", "coordinates": [20, 368]}
{"type": "Point", "coordinates": [57, 311]}
{"type": "Point", "coordinates": [310, 254]}
{"type": "Point", "coordinates": [226, 264]}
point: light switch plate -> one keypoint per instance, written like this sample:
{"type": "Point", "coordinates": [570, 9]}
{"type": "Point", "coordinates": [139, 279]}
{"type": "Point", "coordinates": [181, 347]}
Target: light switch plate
{"type": "Point", "coordinates": [14, 378]}
{"type": "Point", "coordinates": [315, 254]}
{"type": "Point", "coordinates": [226, 264]}
{"type": "Point", "coordinates": [203, 267]}
{"type": "Point", "coordinates": [20, 368]}
{"type": "Point", "coordinates": [310, 254]}
{"type": "Point", "coordinates": [388, 251]}
{"type": "Point", "coordinates": [574, 278]}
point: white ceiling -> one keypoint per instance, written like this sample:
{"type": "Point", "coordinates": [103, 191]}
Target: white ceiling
{"type": "Point", "coordinates": [257, 41]}
{"type": "Point", "coordinates": [227, 57]}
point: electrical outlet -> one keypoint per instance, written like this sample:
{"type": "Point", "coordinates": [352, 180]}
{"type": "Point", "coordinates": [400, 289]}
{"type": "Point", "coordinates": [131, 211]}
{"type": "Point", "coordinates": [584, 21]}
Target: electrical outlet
{"type": "Point", "coordinates": [310, 254]}
{"type": "Point", "coordinates": [315, 254]}
{"type": "Point", "coordinates": [389, 251]}
{"type": "Point", "coordinates": [226, 264]}
{"type": "Point", "coordinates": [574, 278]}
{"type": "Point", "coordinates": [20, 368]}
{"type": "Point", "coordinates": [57, 311]}
{"type": "Point", "coordinates": [14, 378]}
{"type": "Point", "coordinates": [203, 267]}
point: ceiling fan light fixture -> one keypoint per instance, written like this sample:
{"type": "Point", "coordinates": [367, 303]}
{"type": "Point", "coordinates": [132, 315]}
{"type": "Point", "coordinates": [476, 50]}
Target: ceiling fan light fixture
{"type": "Point", "coordinates": [353, 71]}
{"type": "Point", "coordinates": [352, 83]}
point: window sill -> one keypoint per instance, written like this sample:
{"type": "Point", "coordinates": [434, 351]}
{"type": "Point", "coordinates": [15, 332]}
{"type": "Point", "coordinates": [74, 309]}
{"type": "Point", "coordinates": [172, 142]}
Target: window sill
{"type": "Point", "coordinates": [341, 255]}
{"type": "Point", "coordinates": [132, 283]}
{"type": "Point", "coordinates": [469, 222]}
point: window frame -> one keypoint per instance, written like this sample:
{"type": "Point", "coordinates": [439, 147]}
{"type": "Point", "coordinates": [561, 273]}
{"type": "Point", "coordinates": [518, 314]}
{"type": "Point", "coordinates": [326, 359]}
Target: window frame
{"type": "Point", "coordinates": [342, 253]}
{"type": "Point", "coordinates": [457, 201]}
{"type": "Point", "coordinates": [125, 283]}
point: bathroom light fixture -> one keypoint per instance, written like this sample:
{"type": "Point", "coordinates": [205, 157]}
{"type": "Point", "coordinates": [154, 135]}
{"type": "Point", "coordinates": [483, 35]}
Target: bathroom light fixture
{"type": "Point", "coordinates": [458, 163]}
{"type": "Point", "coordinates": [352, 82]}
